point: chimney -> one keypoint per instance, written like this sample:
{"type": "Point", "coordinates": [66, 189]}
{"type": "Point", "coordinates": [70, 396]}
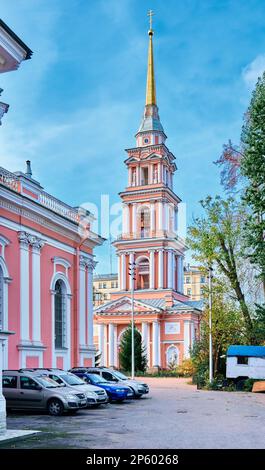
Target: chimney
{"type": "Point", "coordinates": [168, 300]}
{"type": "Point", "coordinates": [28, 172]}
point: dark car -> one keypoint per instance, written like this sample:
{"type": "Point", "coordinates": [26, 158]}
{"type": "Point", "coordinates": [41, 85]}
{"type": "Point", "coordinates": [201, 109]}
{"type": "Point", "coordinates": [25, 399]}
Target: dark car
{"type": "Point", "coordinates": [116, 392]}
{"type": "Point", "coordinates": [139, 388]}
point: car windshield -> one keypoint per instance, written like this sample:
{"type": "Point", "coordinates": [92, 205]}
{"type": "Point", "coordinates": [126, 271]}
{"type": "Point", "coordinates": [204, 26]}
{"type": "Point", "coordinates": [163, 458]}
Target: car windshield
{"type": "Point", "coordinates": [119, 375]}
{"type": "Point", "coordinates": [47, 382]}
{"type": "Point", "coordinates": [97, 379]}
{"type": "Point", "coordinates": [72, 379]}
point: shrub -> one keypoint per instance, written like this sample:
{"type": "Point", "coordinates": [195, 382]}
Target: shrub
{"type": "Point", "coordinates": [186, 369]}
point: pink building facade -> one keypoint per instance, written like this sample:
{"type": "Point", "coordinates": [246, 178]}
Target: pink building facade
{"type": "Point", "coordinates": [46, 270]}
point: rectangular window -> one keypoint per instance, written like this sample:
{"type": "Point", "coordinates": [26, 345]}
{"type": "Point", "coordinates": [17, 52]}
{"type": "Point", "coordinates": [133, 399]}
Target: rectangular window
{"type": "Point", "coordinates": [187, 279]}
{"type": "Point", "coordinates": [202, 280]}
{"type": "Point", "coordinates": [9, 381]}
{"type": "Point", "coordinates": [27, 383]}
{"type": "Point", "coordinates": [188, 291]}
{"type": "Point", "coordinates": [104, 285]}
{"type": "Point", "coordinates": [243, 360]}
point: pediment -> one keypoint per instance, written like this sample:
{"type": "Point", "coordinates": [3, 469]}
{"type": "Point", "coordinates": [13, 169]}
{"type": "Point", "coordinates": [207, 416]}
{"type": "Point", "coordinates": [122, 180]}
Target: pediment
{"type": "Point", "coordinates": [123, 306]}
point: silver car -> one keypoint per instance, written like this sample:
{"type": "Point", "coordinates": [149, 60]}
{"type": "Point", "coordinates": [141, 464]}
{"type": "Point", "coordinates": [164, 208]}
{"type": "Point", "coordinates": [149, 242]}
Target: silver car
{"type": "Point", "coordinates": [95, 396]}
{"type": "Point", "coordinates": [25, 389]}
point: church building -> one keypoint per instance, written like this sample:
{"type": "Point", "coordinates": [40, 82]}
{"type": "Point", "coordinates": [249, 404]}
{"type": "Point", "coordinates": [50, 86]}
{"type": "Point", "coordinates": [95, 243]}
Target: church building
{"type": "Point", "coordinates": [167, 319]}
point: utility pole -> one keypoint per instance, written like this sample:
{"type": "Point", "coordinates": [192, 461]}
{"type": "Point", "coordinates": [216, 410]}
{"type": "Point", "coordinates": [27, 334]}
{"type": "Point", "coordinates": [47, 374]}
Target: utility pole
{"type": "Point", "coordinates": [210, 270]}
{"type": "Point", "coordinates": [132, 268]}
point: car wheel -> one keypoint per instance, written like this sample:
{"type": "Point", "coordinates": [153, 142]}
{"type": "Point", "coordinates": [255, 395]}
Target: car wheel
{"type": "Point", "coordinates": [55, 407]}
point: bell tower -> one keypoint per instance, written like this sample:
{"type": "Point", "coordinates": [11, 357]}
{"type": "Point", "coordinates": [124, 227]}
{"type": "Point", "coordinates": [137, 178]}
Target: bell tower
{"type": "Point", "coordinates": [149, 235]}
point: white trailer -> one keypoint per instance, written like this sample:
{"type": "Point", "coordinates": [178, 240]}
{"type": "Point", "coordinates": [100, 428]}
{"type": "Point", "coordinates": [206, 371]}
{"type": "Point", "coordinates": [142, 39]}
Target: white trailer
{"type": "Point", "coordinates": [245, 362]}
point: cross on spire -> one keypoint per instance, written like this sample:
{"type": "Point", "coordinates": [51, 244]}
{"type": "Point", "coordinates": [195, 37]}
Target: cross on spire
{"type": "Point", "coordinates": [150, 14]}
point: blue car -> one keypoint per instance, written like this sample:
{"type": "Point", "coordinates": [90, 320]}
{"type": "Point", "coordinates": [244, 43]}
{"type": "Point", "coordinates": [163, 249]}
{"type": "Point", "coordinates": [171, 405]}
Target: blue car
{"type": "Point", "coordinates": [115, 392]}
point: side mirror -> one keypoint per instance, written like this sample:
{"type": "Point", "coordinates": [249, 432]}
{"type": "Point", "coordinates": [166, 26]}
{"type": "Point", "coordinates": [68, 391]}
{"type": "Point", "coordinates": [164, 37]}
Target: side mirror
{"type": "Point", "coordinates": [38, 387]}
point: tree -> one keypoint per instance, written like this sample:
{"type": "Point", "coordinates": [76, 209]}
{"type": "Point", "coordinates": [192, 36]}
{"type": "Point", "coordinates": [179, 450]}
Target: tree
{"type": "Point", "coordinates": [216, 239]}
{"type": "Point", "coordinates": [126, 351]}
{"type": "Point", "coordinates": [253, 168]}
{"type": "Point", "coordinates": [228, 328]}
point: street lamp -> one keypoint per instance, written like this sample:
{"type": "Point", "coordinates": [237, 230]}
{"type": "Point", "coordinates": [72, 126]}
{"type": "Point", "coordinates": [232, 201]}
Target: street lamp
{"type": "Point", "coordinates": [210, 270]}
{"type": "Point", "coordinates": [132, 269]}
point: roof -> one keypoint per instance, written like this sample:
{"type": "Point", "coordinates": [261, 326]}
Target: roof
{"type": "Point", "coordinates": [101, 277]}
{"type": "Point", "coordinates": [17, 39]}
{"type": "Point", "coordinates": [156, 304]}
{"type": "Point", "coordinates": [251, 351]}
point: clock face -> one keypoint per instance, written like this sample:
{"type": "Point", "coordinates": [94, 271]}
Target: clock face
{"type": "Point", "coordinates": [146, 141]}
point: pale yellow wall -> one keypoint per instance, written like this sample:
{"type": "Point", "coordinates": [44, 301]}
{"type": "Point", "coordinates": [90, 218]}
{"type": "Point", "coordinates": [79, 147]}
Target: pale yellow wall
{"type": "Point", "coordinates": [104, 287]}
{"type": "Point", "coordinates": [194, 287]}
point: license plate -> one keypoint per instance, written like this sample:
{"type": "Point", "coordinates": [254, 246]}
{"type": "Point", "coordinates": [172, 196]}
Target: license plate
{"type": "Point", "coordinates": [83, 402]}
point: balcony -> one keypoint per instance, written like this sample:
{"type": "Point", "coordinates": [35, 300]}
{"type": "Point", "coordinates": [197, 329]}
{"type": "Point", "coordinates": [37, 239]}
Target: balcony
{"type": "Point", "coordinates": [13, 182]}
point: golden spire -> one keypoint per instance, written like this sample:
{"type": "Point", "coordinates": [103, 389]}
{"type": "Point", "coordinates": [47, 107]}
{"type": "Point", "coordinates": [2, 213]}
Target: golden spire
{"type": "Point", "coordinates": [150, 84]}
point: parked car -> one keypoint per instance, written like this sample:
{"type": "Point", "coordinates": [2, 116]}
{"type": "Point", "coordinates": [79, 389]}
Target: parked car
{"type": "Point", "coordinates": [29, 390]}
{"type": "Point", "coordinates": [116, 392]}
{"type": "Point", "coordinates": [95, 396]}
{"type": "Point", "coordinates": [139, 388]}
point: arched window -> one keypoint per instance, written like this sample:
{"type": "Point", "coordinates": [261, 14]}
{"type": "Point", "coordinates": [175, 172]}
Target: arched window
{"type": "Point", "coordinates": [60, 314]}
{"type": "Point", "coordinates": [142, 273]}
{"type": "Point", "coordinates": [172, 356]}
{"type": "Point", "coordinates": [1, 298]}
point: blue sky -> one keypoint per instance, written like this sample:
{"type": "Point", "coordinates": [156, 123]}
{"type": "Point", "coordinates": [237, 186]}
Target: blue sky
{"type": "Point", "coordinates": [76, 105]}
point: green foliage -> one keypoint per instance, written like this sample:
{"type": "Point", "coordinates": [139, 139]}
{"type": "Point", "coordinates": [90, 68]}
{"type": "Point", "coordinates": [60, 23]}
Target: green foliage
{"type": "Point", "coordinates": [216, 240]}
{"type": "Point", "coordinates": [253, 168]}
{"type": "Point", "coordinates": [228, 328]}
{"type": "Point", "coordinates": [248, 384]}
{"type": "Point", "coordinates": [259, 323]}
{"type": "Point", "coordinates": [126, 351]}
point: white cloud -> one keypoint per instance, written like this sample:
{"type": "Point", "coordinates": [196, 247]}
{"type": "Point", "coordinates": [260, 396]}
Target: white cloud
{"type": "Point", "coordinates": [254, 70]}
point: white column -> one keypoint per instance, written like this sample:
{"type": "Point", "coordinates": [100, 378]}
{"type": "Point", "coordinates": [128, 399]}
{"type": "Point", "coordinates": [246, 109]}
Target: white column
{"type": "Point", "coordinates": [111, 345]}
{"type": "Point", "coordinates": [24, 239]}
{"type": "Point", "coordinates": [160, 269]}
{"type": "Point", "coordinates": [129, 176]}
{"type": "Point", "coordinates": [123, 271]}
{"type": "Point", "coordinates": [159, 172]}
{"type": "Point", "coordinates": [115, 346]}
{"type": "Point", "coordinates": [82, 304]}
{"type": "Point", "coordinates": [90, 312]}
{"type": "Point", "coordinates": [3, 339]}
{"type": "Point", "coordinates": [36, 296]}
{"type": "Point", "coordinates": [180, 274]}
{"type": "Point", "coordinates": [134, 219]}
{"type": "Point", "coordinates": [150, 174]}
{"type": "Point", "coordinates": [160, 215]}
{"type": "Point", "coordinates": [152, 217]}
{"type": "Point", "coordinates": [145, 341]}
{"type": "Point", "coordinates": [101, 342]}
{"type": "Point", "coordinates": [131, 260]}
{"type": "Point", "coordinates": [174, 271]}
{"type": "Point", "coordinates": [138, 175]}
{"type": "Point", "coordinates": [155, 344]}
{"type": "Point", "coordinates": [170, 270]}
{"type": "Point", "coordinates": [125, 219]}
{"type": "Point", "coordinates": [187, 342]}
{"type": "Point", "coordinates": [192, 334]}
{"type": "Point", "coordinates": [119, 271]}
{"type": "Point", "coordinates": [152, 269]}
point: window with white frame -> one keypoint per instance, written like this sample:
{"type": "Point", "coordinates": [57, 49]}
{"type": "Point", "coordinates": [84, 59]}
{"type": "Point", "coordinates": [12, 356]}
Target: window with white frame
{"type": "Point", "coordinates": [60, 314]}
